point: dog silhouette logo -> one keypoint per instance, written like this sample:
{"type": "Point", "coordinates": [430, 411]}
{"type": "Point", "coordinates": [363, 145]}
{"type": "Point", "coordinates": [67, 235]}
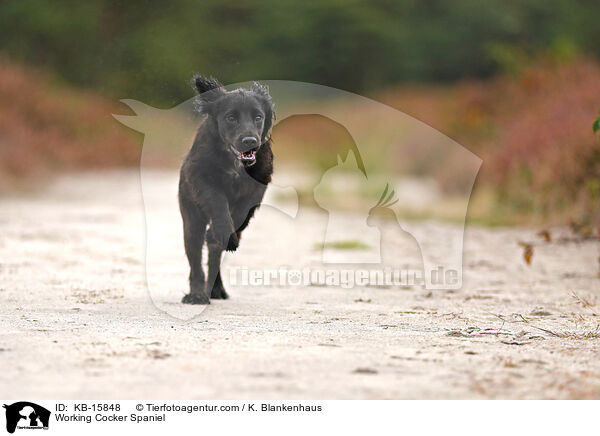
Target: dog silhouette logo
{"type": "Point", "coordinates": [26, 415]}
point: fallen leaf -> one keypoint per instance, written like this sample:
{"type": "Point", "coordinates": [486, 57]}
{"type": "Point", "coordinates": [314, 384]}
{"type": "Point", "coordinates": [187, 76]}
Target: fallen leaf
{"type": "Point", "coordinates": [545, 234]}
{"type": "Point", "coordinates": [528, 251]}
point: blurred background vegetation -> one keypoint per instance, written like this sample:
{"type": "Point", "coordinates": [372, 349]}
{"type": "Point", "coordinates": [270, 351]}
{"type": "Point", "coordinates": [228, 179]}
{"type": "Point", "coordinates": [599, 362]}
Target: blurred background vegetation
{"type": "Point", "coordinates": [516, 82]}
{"type": "Point", "coordinates": [147, 49]}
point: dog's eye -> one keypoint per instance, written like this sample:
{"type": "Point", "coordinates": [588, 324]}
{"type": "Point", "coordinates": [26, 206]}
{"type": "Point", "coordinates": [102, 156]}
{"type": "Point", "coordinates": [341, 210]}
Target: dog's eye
{"type": "Point", "coordinates": [258, 118]}
{"type": "Point", "coordinates": [230, 118]}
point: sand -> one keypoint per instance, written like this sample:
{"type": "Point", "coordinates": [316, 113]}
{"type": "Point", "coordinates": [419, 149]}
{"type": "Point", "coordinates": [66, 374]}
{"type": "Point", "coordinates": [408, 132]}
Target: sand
{"type": "Point", "coordinates": [77, 320]}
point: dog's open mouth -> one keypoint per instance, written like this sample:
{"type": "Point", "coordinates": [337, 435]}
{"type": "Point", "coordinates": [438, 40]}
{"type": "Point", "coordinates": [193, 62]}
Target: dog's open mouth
{"type": "Point", "coordinates": [248, 158]}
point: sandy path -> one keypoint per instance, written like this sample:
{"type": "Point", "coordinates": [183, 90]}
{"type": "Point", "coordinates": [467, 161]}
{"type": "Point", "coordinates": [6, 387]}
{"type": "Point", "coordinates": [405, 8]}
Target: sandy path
{"type": "Point", "coordinates": [76, 320]}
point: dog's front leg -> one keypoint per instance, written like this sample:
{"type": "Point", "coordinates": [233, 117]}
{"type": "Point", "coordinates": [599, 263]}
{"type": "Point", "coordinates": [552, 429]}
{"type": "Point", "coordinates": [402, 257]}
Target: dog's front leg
{"type": "Point", "coordinates": [221, 223]}
{"type": "Point", "coordinates": [214, 284]}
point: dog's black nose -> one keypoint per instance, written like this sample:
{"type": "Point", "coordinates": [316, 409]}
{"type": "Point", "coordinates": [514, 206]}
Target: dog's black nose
{"type": "Point", "coordinates": [250, 141]}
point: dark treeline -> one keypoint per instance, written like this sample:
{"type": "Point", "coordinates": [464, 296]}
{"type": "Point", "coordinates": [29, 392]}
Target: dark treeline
{"type": "Point", "coordinates": [148, 49]}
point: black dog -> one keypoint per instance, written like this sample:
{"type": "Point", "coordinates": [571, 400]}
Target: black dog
{"type": "Point", "coordinates": [223, 178]}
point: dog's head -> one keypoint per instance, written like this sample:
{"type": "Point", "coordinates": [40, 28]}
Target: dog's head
{"type": "Point", "coordinates": [243, 117]}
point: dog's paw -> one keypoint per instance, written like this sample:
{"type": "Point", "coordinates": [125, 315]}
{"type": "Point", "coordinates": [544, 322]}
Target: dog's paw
{"type": "Point", "coordinates": [218, 293]}
{"type": "Point", "coordinates": [233, 242]}
{"type": "Point", "coordinates": [195, 298]}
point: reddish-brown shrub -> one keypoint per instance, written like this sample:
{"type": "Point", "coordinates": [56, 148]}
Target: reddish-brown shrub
{"type": "Point", "coordinates": [533, 131]}
{"type": "Point", "coordinates": [43, 127]}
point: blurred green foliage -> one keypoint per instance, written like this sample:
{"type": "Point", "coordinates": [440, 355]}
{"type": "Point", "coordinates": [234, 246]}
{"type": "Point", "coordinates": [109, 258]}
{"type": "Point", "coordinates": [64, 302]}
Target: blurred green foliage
{"type": "Point", "coordinates": [149, 49]}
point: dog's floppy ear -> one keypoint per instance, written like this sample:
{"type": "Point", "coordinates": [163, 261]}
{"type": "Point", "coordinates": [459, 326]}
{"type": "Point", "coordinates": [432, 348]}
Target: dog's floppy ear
{"type": "Point", "coordinates": [203, 84]}
{"type": "Point", "coordinates": [209, 90]}
{"type": "Point", "coordinates": [263, 92]}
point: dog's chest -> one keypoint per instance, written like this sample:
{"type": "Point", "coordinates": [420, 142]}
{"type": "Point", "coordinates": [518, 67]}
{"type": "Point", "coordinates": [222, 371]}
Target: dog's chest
{"type": "Point", "coordinates": [242, 185]}
{"type": "Point", "coordinates": [233, 175]}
